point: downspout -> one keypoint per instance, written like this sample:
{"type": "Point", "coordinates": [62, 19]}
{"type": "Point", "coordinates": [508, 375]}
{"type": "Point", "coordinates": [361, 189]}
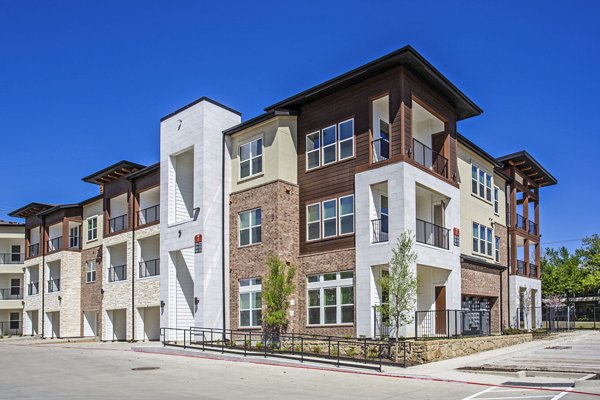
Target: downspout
{"type": "Point", "coordinates": [223, 235]}
{"type": "Point", "coordinates": [133, 215]}
{"type": "Point", "coordinates": [508, 266]}
{"type": "Point", "coordinates": [43, 280]}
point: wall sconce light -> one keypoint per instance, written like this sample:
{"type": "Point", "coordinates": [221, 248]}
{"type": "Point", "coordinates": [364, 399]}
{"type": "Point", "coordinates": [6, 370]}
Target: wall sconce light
{"type": "Point", "coordinates": [196, 213]}
{"type": "Point", "coordinates": [196, 301]}
{"type": "Point", "coordinates": [162, 304]}
{"type": "Point", "coordinates": [59, 299]}
{"type": "Point", "coordinates": [102, 291]}
{"type": "Point", "coordinates": [23, 303]}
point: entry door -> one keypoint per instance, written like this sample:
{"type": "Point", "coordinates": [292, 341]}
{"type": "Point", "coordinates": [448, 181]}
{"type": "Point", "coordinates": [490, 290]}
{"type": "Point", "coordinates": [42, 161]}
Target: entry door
{"type": "Point", "coordinates": [440, 310]}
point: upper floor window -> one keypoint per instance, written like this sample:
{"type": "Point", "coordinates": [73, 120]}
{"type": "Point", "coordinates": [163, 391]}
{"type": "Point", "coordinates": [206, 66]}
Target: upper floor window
{"type": "Point", "coordinates": [330, 144]}
{"type": "Point", "coordinates": [250, 302]}
{"type": "Point", "coordinates": [496, 199]}
{"type": "Point", "coordinates": [92, 228]}
{"type": "Point", "coordinates": [250, 231]}
{"type": "Point", "coordinates": [481, 183]}
{"type": "Point", "coordinates": [330, 218]}
{"type": "Point", "coordinates": [497, 244]}
{"type": "Point", "coordinates": [331, 298]}
{"type": "Point", "coordinates": [90, 271]}
{"type": "Point", "coordinates": [482, 239]}
{"type": "Point", "coordinates": [251, 158]}
{"type": "Point", "coordinates": [74, 237]}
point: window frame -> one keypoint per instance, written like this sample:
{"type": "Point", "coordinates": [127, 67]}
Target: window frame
{"type": "Point", "coordinates": [334, 144]}
{"type": "Point", "coordinates": [75, 243]}
{"type": "Point", "coordinates": [317, 221]}
{"type": "Point", "coordinates": [317, 150]}
{"type": "Point", "coordinates": [340, 141]}
{"type": "Point", "coordinates": [340, 215]}
{"type": "Point", "coordinates": [249, 228]}
{"type": "Point", "coordinates": [496, 200]}
{"type": "Point", "coordinates": [483, 181]}
{"type": "Point", "coordinates": [322, 219]}
{"type": "Point", "coordinates": [254, 286]}
{"type": "Point", "coordinates": [251, 158]}
{"type": "Point", "coordinates": [334, 218]}
{"type": "Point", "coordinates": [497, 248]}
{"type": "Point", "coordinates": [321, 285]}
{"type": "Point", "coordinates": [92, 229]}
{"type": "Point", "coordinates": [484, 240]}
{"type": "Point", "coordinates": [90, 271]}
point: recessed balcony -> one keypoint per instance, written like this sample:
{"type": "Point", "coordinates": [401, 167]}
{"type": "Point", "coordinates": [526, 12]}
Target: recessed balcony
{"type": "Point", "coordinates": [149, 215]}
{"type": "Point", "coordinates": [13, 293]}
{"type": "Point", "coordinates": [54, 244]}
{"type": "Point", "coordinates": [117, 273]}
{"type": "Point", "coordinates": [12, 258]}
{"type": "Point", "coordinates": [432, 234]}
{"type": "Point", "coordinates": [54, 285]}
{"type": "Point", "coordinates": [430, 158]}
{"type": "Point", "coordinates": [118, 224]}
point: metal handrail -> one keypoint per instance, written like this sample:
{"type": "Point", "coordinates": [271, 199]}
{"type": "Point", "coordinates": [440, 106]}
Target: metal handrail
{"type": "Point", "coordinates": [118, 224]}
{"type": "Point", "coordinates": [12, 258]}
{"type": "Point", "coordinates": [54, 244]}
{"type": "Point", "coordinates": [533, 229]}
{"type": "Point", "coordinates": [533, 270]}
{"type": "Point", "coordinates": [33, 288]}
{"type": "Point", "coordinates": [10, 327]}
{"type": "Point", "coordinates": [520, 267]}
{"type": "Point", "coordinates": [11, 294]}
{"type": "Point", "coordinates": [117, 273]}
{"type": "Point", "coordinates": [452, 323]}
{"type": "Point", "coordinates": [34, 250]}
{"type": "Point", "coordinates": [53, 285]}
{"type": "Point", "coordinates": [381, 149]}
{"type": "Point", "coordinates": [521, 222]}
{"type": "Point", "coordinates": [380, 230]}
{"type": "Point", "coordinates": [149, 268]}
{"type": "Point", "coordinates": [430, 158]}
{"type": "Point", "coordinates": [433, 234]}
{"type": "Point", "coordinates": [149, 215]}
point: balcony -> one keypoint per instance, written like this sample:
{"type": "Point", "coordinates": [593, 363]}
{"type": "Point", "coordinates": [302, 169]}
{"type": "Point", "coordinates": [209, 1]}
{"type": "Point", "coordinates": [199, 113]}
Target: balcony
{"type": "Point", "coordinates": [380, 230]}
{"type": "Point", "coordinates": [521, 267]}
{"type": "Point", "coordinates": [430, 159]}
{"type": "Point", "coordinates": [11, 294]}
{"type": "Point", "coordinates": [33, 288]}
{"type": "Point", "coordinates": [117, 273]}
{"type": "Point", "coordinates": [149, 268]}
{"type": "Point", "coordinates": [12, 327]}
{"type": "Point", "coordinates": [117, 224]}
{"type": "Point", "coordinates": [34, 250]}
{"type": "Point", "coordinates": [533, 270]}
{"type": "Point", "coordinates": [521, 222]}
{"type": "Point", "coordinates": [149, 215]}
{"type": "Point", "coordinates": [381, 149]}
{"type": "Point", "coordinates": [54, 244]}
{"type": "Point", "coordinates": [54, 285]}
{"type": "Point", "coordinates": [12, 258]}
{"type": "Point", "coordinates": [533, 228]}
{"type": "Point", "coordinates": [433, 235]}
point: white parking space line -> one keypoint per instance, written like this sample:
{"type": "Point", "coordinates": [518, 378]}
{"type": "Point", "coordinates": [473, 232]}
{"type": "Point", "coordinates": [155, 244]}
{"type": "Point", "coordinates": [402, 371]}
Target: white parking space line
{"type": "Point", "coordinates": [558, 396]}
{"type": "Point", "coordinates": [513, 394]}
{"type": "Point", "coordinates": [515, 397]}
{"type": "Point", "coordinates": [479, 393]}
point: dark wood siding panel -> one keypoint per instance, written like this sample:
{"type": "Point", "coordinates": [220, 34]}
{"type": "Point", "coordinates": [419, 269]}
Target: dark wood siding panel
{"type": "Point", "coordinates": [147, 181]}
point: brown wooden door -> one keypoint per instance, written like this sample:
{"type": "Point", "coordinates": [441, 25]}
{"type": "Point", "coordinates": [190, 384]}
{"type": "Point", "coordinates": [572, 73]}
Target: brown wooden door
{"type": "Point", "coordinates": [440, 310]}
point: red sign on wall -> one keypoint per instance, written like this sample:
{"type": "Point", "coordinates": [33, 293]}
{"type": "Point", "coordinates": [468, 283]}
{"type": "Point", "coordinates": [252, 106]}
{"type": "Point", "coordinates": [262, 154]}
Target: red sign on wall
{"type": "Point", "coordinates": [198, 244]}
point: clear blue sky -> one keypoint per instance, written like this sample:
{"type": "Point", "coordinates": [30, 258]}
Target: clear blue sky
{"type": "Point", "coordinates": [84, 84]}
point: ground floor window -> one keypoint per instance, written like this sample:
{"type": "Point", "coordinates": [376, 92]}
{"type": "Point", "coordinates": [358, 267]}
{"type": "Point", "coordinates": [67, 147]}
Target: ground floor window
{"type": "Point", "coordinates": [15, 321]}
{"type": "Point", "coordinates": [250, 303]}
{"type": "Point", "coordinates": [331, 298]}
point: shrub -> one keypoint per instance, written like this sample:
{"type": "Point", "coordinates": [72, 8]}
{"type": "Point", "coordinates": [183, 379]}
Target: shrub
{"type": "Point", "coordinates": [373, 352]}
{"type": "Point", "coordinates": [259, 345]}
{"type": "Point", "coordinates": [315, 348]}
{"type": "Point", "coordinates": [351, 351]}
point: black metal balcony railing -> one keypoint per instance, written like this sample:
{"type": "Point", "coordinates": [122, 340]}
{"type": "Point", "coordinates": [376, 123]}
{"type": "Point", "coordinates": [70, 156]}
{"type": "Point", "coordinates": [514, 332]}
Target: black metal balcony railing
{"type": "Point", "coordinates": [533, 269]}
{"type": "Point", "coordinates": [74, 242]}
{"type": "Point", "coordinates": [452, 323]}
{"type": "Point", "coordinates": [149, 268]}
{"type": "Point", "coordinates": [533, 229]}
{"type": "Point", "coordinates": [149, 215]}
{"type": "Point", "coordinates": [54, 285]}
{"type": "Point", "coordinates": [520, 267]}
{"type": "Point", "coordinates": [430, 158]}
{"type": "Point", "coordinates": [10, 327]}
{"type": "Point", "coordinates": [33, 288]}
{"type": "Point", "coordinates": [118, 224]}
{"type": "Point", "coordinates": [12, 258]}
{"type": "Point", "coordinates": [380, 230]}
{"type": "Point", "coordinates": [521, 222]}
{"type": "Point", "coordinates": [54, 244]}
{"type": "Point", "coordinates": [11, 294]}
{"type": "Point", "coordinates": [432, 234]}
{"type": "Point", "coordinates": [117, 273]}
{"type": "Point", "coordinates": [381, 149]}
{"type": "Point", "coordinates": [34, 250]}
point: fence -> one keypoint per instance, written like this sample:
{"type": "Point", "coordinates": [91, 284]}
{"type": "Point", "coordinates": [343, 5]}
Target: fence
{"type": "Point", "coordinates": [452, 323]}
{"type": "Point", "coordinates": [555, 319]}
{"type": "Point", "coordinates": [10, 327]}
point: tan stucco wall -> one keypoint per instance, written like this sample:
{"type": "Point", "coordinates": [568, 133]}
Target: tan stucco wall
{"type": "Point", "coordinates": [92, 210]}
{"type": "Point", "coordinates": [279, 153]}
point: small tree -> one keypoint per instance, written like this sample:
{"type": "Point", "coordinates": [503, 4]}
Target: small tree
{"type": "Point", "coordinates": [277, 288]}
{"type": "Point", "coordinates": [401, 286]}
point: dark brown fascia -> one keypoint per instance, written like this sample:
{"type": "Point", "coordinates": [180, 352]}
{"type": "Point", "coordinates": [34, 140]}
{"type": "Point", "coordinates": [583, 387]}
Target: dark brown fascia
{"type": "Point", "coordinates": [144, 171]}
{"type": "Point", "coordinates": [526, 161]}
{"type": "Point", "coordinates": [257, 120]}
{"type": "Point", "coordinates": [107, 174]}
{"type": "Point", "coordinates": [201, 99]}
{"type": "Point", "coordinates": [30, 209]}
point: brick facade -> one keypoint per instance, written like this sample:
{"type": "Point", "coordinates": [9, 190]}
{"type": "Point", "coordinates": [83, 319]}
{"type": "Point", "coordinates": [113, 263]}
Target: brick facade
{"type": "Point", "coordinates": [91, 293]}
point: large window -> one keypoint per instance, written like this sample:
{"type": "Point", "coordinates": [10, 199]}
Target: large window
{"type": "Point", "coordinates": [250, 227]}
{"type": "Point", "coordinates": [251, 158]}
{"type": "Point", "coordinates": [74, 237]}
{"type": "Point", "coordinates": [481, 183]}
{"type": "Point", "coordinates": [496, 199]}
{"type": "Point", "coordinates": [90, 271]}
{"type": "Point", "coordinates": [250, 303]}
{"type": "Point", "coordinates": [482, 239]}
{"type": "Point", "coordinates": [331, 298]}
{"type": "Point", "coordinates": [330, 218]}
{"type": "Point", "coordinates": [92, 228]}
{"type": "Point", "coordinates": [330, 144]}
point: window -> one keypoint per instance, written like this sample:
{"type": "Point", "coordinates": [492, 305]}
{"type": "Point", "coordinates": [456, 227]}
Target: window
{"type": "Point", "coordinates": [90, 271]}
{"type": "Point", "coordinates": [250, 227]}
{"type": "Point", "coordinates": [384, 215]}
{"type": "Point", "coordinates": [313, 221]}
{"type": "Point", "coordinates": [482, 239]}
{"type": "Point", "coordinates": [251, 158]}
{"type": "Point", "coordinates": [92, 229]}
{"type": "Point", "coordinates": [15, 253]}
{"type": "Point", "coordinates": [346, 215]}
{"type": "Point", "coordinates": [15, 287]}
{"type": "Point", "coordinates": [330, 218]}
{"type": "Point", "coordinates": [15, 321]}
{"type": "Point", "coordinates": [330, 144]}
{"type": "Point", "coordinates": [331, 298]}
{"type": "Point", "coordinates": [74, 237]}
{"type": "Point", "coordinates": [481, 183]}
{"type": "Point", "coordinates": [250, 302]}
{"type": "Point", "coordinates": [496, 199]}
{"type": "Point", "coordinates": [497, 246]}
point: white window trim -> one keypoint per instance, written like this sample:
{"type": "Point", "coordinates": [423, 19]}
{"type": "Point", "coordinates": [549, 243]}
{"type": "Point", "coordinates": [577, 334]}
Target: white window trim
{"type": "Point", "coordinates": [339, 142]}
{"type": "Point", "coordinates": [88, 271]}
{"type": "Point", "coordinates": [318, 221]}
{"type": "Point", "coordinates": [497, 248]}
{"type": "Point", "coordinates": [323, 219]}
{"type": "Point", "coordinates": [322, 284]}
{"type": "Point", "coordinates": [249, 143]}
{"type": "Point", "coordinates": [485, 187]}
{"type": "Point", "coordinates": [318, 149]}
{"type": "Point", "coordinates": [250, 289]}
{"type": "Point", "coordinates": [340, 215]}
{"type": "Point", "coordinates": [496, 198]}
{"type": "Point", "coordinates": [250, 226]}
{"type": "Point", "coordinates": [334, 144]}
{"type": "Point", "coordinates": [89, 229]}
{"type": "Point", "coordinates": [486, 242]}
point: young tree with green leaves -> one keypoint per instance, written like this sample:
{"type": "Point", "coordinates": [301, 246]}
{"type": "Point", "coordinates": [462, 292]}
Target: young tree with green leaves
{"type": "Point", "coordinates": [277, 288]}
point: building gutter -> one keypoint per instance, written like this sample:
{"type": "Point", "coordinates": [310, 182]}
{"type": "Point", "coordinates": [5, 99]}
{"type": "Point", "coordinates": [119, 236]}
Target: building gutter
{"type": "Point", "coordinates": [223, 236]}
{"type": "Point", "coordinates": [132, 261]}
{"type": "Point", "coordinates": [43, 274]}
{"type": "Point", "coordinates": [507, 212]}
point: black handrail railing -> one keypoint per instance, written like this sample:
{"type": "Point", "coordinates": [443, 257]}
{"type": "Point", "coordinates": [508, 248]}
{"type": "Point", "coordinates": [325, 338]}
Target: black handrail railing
{"type": "Point", "coordinates": [430, 158]}
{"type": "Point", "coordinates": [33, 288]}
{"type": "Point", "coordinates": [117, 273]}
{"type": "Point", "coordinates": [11, 294]}
{"type": "Point", "coordinates": [34, 250]}
{"type": "Point", "coordinates": [452, 323]}
{"type": "Point", "coordinates": [533, 270]}
{"type": "Point", "coordinates": [149, 268]}
{"type": "Point", "coordinates": [381, 149]}
{"type": "Point", "coordinates": [432, 234]}
{"type": "Point", "coordinates": [54, 244]}
{"type": "Point", "coordinates": [54, 285]}
{"type": "Point", "coordinates": [12, 258]}
{"type": "Point", "coordinates": [380, 230]}
{"type": "Point", "coordinates": [149, 215]}
{"type": "Point", "coordinates": [521, 222]}
{"type": "Point", "coordinates": [10, 327]}
{"type": "Point", "coordinates": [382, 326]}
{"type": "Point", "coordinates": [533, 229]}
{"type": "Point", "coordinates": [118, 224]}
{"type": "Point", "coordinates": [520, 267]}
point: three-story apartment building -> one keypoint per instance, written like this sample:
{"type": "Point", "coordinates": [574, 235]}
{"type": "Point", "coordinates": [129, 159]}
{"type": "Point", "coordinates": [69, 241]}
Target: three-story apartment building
{"type": "Point", "coordinates": [12, 247]}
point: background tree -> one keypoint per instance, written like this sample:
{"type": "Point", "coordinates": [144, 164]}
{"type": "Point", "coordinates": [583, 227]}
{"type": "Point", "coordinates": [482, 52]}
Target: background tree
{"type": "Point", "coordinates": [401, 286]}
{"type": "Point", "coordinates": [277, 288]}
{"type": "Point", "coordinates": [561, 273]}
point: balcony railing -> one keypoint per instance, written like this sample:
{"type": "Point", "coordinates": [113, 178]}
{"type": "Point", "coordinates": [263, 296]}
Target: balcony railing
{"type": "Point", "coordinates": [33, 288]}
{"type": "Point", "coordinates": [12, 258]}
{"type": "Point", "coordinates": [430, 159]}
{"type": "Point", "coordinates": [533, 269]}
{"type": "Point", "coordinates": [432, 234]}
{"type": "Point", "coordinates": [10, 327]}
{"type": "Point", "coordinates": [118, 224]}
{"type": "Point", "coordinates": [149, 215]}
{"type": "Point", "coordinates": [149, 268]}
{"type": "Point", "coordinates": [54, 244]}
{"type": "Point", "coordinates": [117, 273]}
{"type": "Point", "coordinates": [452, 323]}
{"type": "Point", "coordinates": [380, 230]}
{"type": "Point", "coordinates": [520, 267]}
{"type": "Point", "coordinates": [521, 222]}
{"type": "Point", "coordinates": [381, 149]}
{"type": "Point", "coordinates": [533, 229]}
{"type": "Point", "coordinates": [54, 285]}
{"type": "Point", "coordinates": [11, 294]}
{"type": "Point", "coordinates": [34, 250]}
